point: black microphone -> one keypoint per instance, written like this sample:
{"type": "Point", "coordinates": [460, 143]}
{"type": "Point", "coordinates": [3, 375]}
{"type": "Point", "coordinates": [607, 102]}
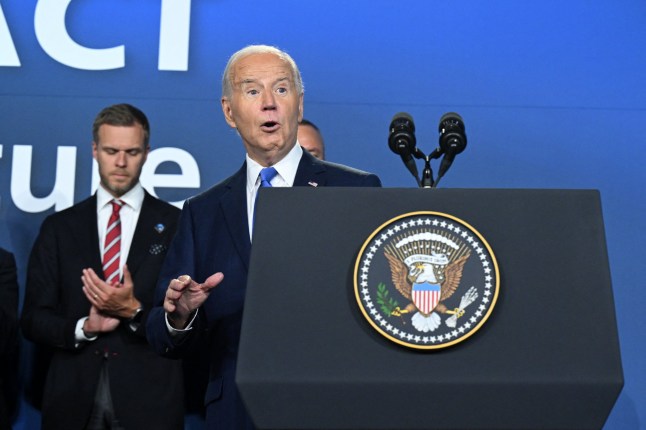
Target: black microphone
{"type": "Point", "coordinates": [401, 140]}
{"type": "Point", "coordinates": [453, 140]}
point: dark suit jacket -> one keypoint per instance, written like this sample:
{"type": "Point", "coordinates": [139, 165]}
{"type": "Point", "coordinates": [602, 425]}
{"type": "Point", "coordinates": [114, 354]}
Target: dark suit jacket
{"type": "Point", "coordinates": [8, 337]}
{"type": "Point", "coordinates": [212, 237]}
{"type": "Point", "coordinates": [147, 390]}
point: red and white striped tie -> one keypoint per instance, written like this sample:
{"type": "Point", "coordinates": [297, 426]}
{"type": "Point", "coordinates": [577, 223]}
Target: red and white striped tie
{"type": "Point", "coordinates": [112, 248]}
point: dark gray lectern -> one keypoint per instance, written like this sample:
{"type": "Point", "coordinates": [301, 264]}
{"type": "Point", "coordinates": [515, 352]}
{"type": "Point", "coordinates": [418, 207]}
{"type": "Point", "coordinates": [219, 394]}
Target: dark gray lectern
{"type": "Point", "coordinates": [547, 358]}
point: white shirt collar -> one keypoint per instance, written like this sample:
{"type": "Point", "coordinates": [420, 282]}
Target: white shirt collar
{"type": "Point", "coordinates": [133, 198]}
{"type": "Point", "coordinates": [286, 168]}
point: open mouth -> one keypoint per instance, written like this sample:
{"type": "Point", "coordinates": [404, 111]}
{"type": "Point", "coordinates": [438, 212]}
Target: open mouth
{"type": "Point", "coordinates": [269, 126]}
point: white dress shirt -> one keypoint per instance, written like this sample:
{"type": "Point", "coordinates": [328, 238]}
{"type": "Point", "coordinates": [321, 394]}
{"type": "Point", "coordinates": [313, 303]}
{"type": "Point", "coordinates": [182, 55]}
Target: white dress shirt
{"type": "Point", "coordinates": [129, 215]}
{"type": "Point", "coordinates": [286, 169]}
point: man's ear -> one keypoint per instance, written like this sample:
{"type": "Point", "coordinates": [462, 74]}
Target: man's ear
{"type": "Point", "coordinates": [300, 108]}
{"type": "Point", "coordinates": [228, 112]}
{"type": "Point", "coordinates": [95, 148]}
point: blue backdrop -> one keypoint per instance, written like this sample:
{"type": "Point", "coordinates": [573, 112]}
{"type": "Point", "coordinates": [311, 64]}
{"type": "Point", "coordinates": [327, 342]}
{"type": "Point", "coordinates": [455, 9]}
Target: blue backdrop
{"type": "Point", "coordinates": [553, 95]}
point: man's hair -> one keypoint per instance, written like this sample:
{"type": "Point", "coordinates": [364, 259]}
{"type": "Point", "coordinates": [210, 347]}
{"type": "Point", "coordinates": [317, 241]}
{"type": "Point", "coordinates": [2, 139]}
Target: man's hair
{"type": "Point", "coordinates": [227, 85]}
{"type": "Point", "coordinates": [123, 115]}
{"type": "Point", "coordinates": [310, 123]}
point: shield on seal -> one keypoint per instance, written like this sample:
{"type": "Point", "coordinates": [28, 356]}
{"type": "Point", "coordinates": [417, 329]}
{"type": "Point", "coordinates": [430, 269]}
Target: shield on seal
{"type": "Point", "coordinates": [426, 296]}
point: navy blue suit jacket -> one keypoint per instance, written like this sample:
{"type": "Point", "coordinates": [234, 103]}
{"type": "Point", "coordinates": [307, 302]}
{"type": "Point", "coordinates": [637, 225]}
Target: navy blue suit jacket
{"type": "Point", "coordinates": [212, 237]}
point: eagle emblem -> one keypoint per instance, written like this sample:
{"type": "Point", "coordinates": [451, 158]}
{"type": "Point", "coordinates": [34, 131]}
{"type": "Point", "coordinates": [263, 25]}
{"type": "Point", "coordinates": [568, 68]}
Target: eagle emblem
{"type": "Point", "coordinates": [426, 280]}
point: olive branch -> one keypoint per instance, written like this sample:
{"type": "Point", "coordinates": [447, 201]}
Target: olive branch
{"type": "Point", "coordinates": [387, 304]}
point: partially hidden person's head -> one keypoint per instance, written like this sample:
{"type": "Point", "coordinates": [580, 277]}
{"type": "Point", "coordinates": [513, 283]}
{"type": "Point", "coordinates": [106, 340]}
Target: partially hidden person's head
{"type": "Point", "coordinates": [310, 138]}
{"type": "Point", "coordinates": [121, 135]}
{"type": "Point", "coordinates": [262, 98]}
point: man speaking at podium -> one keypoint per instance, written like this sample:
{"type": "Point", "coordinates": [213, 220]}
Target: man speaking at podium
{"type": "Point", "coordinates": [202, 285]}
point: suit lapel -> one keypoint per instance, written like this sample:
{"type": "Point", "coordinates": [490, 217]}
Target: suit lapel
{"type": "Point", "coordinates": [145, 233]}
{"type": "Point", "coordinates": [310, 172]}
{"type": "Point", "coordinates": [83, 228]}
{"type": "Point", "coordinates": [234, 208]}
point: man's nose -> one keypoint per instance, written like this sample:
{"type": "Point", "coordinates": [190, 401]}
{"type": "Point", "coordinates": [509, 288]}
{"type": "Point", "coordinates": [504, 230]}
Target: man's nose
{"type": "Point", "coordinates": [268, 100]}
{"type": "Point", "coordinates": [121, 158]}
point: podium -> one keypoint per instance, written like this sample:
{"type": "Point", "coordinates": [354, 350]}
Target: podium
{"type": "Point", "coordinates": [547, 357]}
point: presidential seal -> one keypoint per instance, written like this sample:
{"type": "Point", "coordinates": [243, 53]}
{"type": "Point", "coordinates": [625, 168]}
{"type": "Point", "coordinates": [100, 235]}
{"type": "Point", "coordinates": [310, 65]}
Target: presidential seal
{"type": "Point", "coordinates": [426, 280]}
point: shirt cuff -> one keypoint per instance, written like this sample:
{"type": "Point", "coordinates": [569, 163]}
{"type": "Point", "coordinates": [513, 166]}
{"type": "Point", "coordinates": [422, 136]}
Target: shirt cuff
{"type": "Point", "coordinates": [179, 331]}
{"type": "Point", "coordinates": [79, 334]}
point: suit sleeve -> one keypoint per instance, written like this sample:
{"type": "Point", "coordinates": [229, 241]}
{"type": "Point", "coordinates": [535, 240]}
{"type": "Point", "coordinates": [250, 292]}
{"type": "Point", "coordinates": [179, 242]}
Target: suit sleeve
{"type": "Point", "coordinates": [180, 260]}
{"type": "Point", "coordinates": [8, 304]}
{"type": "Point", "coordinates": [42, 320]}
{"type": "Point", "coordinates": [9, 347]}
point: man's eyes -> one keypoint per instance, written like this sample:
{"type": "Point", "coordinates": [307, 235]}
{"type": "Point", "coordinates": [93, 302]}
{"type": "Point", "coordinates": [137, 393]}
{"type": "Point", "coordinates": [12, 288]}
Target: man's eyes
{"type": "Point", "coordinates": [132, 152]}
{"type": "Point", "coordinates": [278, 90]}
